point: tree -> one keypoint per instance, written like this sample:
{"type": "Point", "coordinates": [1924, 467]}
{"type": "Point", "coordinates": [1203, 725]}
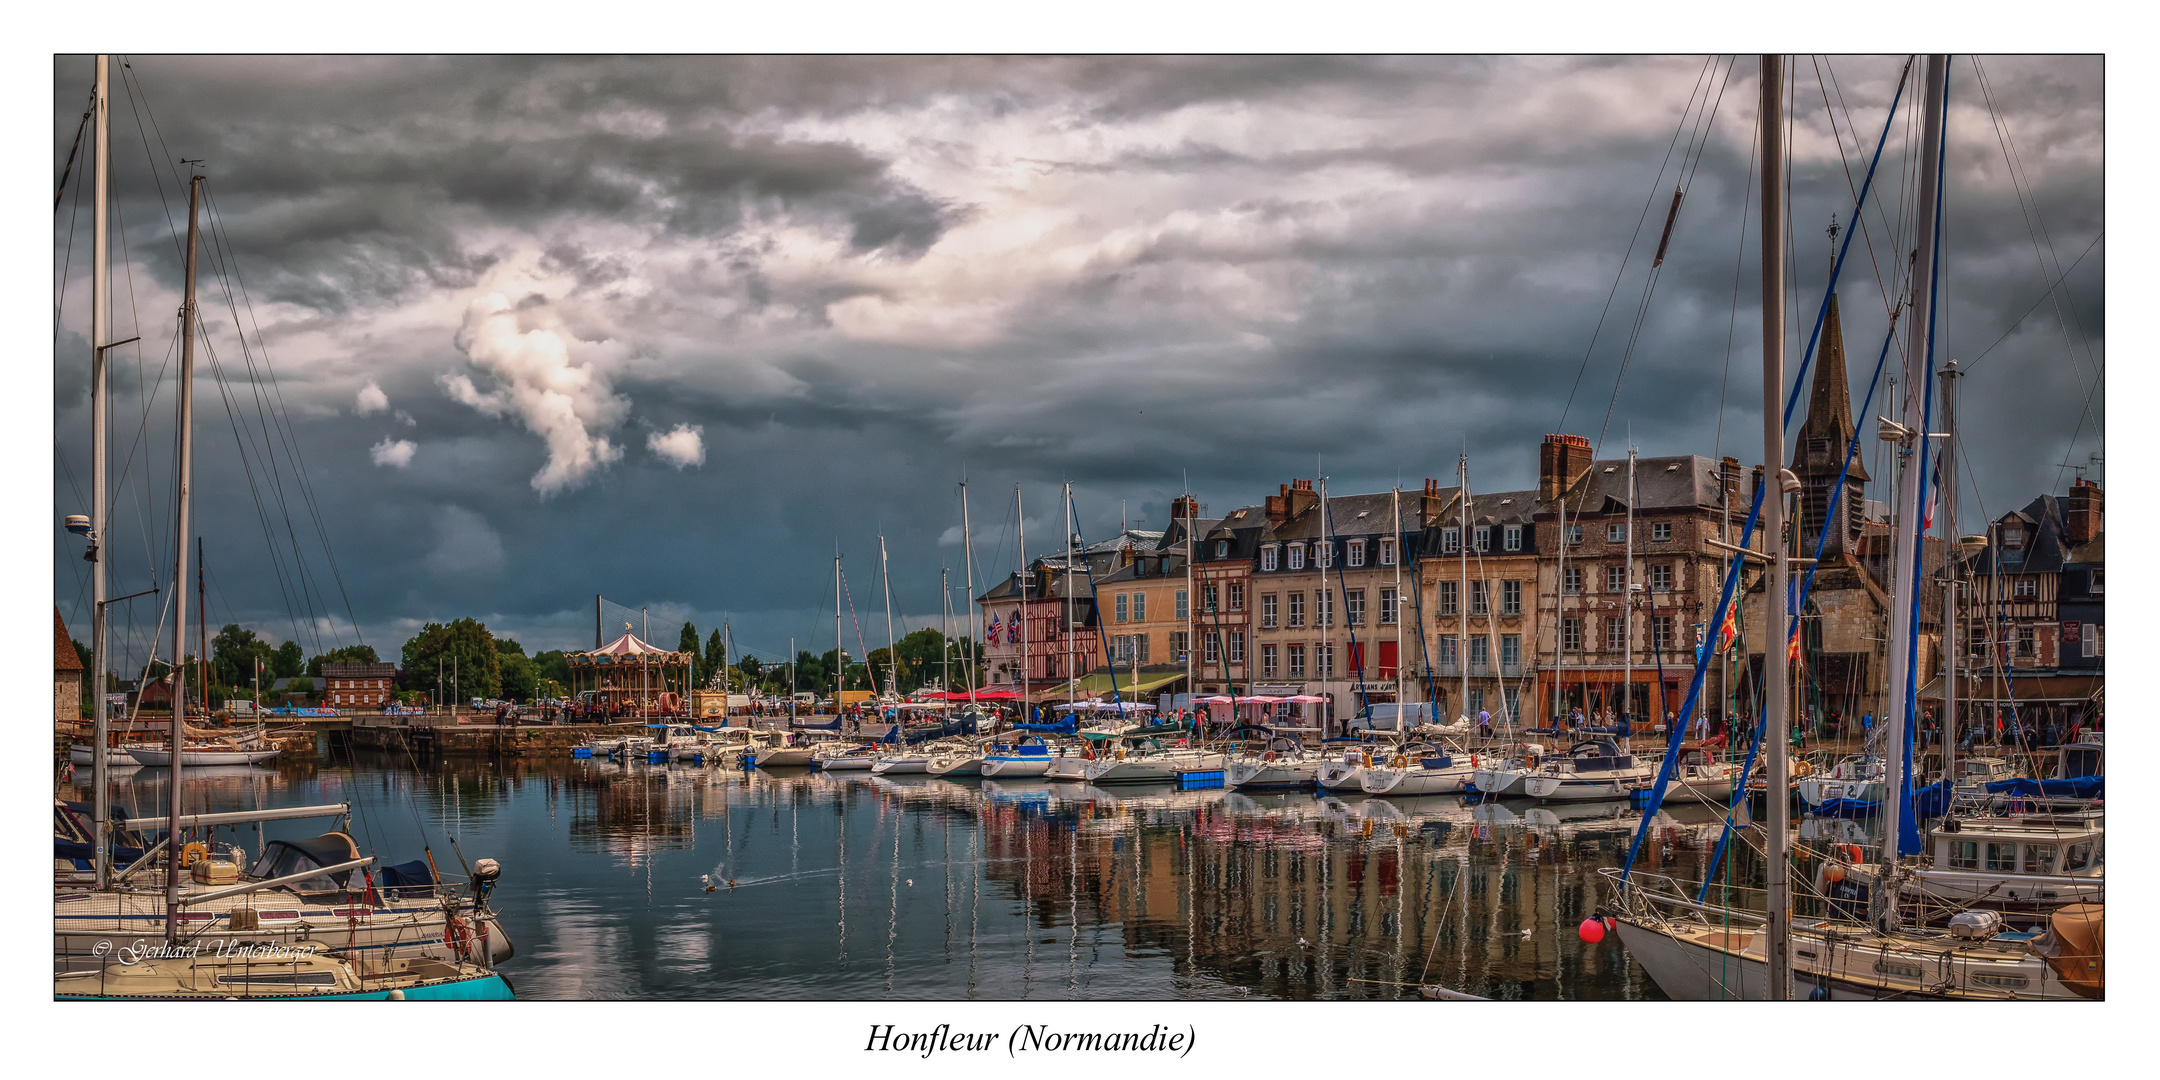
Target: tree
{"type": "Point", "coordinates": [520, 679]}
{"type": "Point", "coordinates": [288, 661]}
{"type": "Point", "coordinates": [429, 656]}
{"type": "Point", "coordinates": [552, 670]}
{"type": "Point", "coordinates": [350, 654]}
{"type": "Point", "coordinates": [686, 642]}
{"type": "Point", "coordinates": [234, 653]}
{"type": "Point", "coordinates": [714, 658]}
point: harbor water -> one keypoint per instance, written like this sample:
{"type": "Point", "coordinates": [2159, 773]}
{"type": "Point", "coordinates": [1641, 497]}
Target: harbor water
{"type": "Point", "coordinates": [690, 882]}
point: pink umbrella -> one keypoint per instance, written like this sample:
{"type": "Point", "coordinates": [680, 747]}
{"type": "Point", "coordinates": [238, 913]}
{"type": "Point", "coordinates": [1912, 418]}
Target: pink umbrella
{"type": "Point", "coordinates": [1218, 699]}
{"type": "Point", "coordinates": [1305, 699]}
{"type": "Point", "coordinates": [1258, 699]}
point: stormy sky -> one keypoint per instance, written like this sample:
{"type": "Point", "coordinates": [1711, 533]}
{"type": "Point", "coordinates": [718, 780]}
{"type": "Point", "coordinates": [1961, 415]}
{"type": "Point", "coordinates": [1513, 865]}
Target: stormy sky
{"type": "Point", "coordinates": [670, 330]}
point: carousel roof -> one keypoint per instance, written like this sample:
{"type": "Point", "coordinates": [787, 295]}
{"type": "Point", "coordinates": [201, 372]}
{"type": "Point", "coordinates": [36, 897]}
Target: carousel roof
{"type": "Point", "coordinates": [628, 648]}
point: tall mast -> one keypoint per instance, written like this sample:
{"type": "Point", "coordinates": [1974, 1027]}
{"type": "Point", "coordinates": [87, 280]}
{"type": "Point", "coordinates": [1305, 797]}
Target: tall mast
{"type": "Point", "coordinates": [839, 653]}
{"type": "Point", "coordinates": [944, 586]}
{"type": "Point", "coordinates": [100, 337]}
{"type": "Point", "coordinates": [1192, 606]}
{"type": "Point", "coordinates": [1072, 641]}
{"type": "Point", "coordinates": [974, 619]}
{"type": "Point", "coordinates": [202, 627]}
{"type": "Point", "coordinates": [1951, 641]}
{"type": "Point", "coordinates": [892, 655]}
{"type": "Point", "coordinates": [1627, 606]}
{"type": "Point", "coordinates": [1020, 514]}
{"type": "Point", "coordinates": [1462, 574]}
{"type": "Point", "coordinates": [181, 506]}
{"type": "Point", "coordinates": [1395, 512]}
{"type": "Point", "coordinates": [1771, 116]}
{"type": "Point", "coordinates": [1324, 609]}
{"type": "Point", "coordinates": [1912, 478]}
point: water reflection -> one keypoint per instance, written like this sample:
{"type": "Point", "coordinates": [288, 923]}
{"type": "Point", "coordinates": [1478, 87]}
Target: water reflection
{"type": "Point", "coordinates": [852, 886]}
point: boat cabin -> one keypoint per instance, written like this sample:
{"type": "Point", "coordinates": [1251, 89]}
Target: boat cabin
{"type": "Point", "coordinates": [2033, 845]}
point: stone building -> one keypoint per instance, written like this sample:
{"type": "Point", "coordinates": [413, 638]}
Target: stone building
{"type": "Point", "coordinates": [67, 674]}
{"type": "Point", "coordinates": [1477, 592]}
{"type": "Point", "coordinates": [358, 686]}
{"type": "Point", "coordinates": [1061, 633]}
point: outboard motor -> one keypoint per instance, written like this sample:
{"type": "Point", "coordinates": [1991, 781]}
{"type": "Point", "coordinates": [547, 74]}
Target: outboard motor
{"type": "Point", "coordinates": [485, 874]}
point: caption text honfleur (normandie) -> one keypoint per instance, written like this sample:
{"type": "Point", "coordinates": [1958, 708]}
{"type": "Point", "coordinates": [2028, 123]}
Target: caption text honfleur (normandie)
{"type": "Point", "coordinates": [1030, 1038]}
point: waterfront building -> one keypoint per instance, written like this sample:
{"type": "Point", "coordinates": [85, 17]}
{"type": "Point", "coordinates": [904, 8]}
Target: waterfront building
{"type": "Point", "coordinates": [358, 686]}
{"type": "Point", "coordinates": [1477, 591]}
{"type": "Point", "coordinates": [67, 673]}
{"type": "Point", "coordinates": [1057, 606]}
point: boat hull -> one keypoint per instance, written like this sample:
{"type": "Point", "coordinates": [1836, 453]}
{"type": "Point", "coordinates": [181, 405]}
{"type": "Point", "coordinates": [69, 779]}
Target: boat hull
{"type": "Point", "coordinates": [1500, 782]}
{"type": "Point", "coordinates": [1408, 782]}
{"type": "Point", "coordinates": [786, 758]}
{"type": "Point", "coordinates": [1016, 768]}
{"type": "Point", "coordinates": [191, 758]}
{"type": "Point", "coordinates": [1711, 963]}
{"type": "Point", "coordinates": [1282, 773]}
{"type": "Point", "coordinates": [1340, 776]}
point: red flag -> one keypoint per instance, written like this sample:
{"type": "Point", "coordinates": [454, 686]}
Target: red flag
{"type": "Point", "coordinates": [1792, 649]}
{"type": "Point", "coordinates": [1727, 632]}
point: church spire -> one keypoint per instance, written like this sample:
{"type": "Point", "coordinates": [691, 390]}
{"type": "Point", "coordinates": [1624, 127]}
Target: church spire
{"type": "Point", "coordinates": [1829, 424]}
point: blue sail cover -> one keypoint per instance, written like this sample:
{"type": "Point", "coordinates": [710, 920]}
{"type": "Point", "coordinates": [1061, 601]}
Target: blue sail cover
{"type": "Point", "coordinates": [2083, 787]}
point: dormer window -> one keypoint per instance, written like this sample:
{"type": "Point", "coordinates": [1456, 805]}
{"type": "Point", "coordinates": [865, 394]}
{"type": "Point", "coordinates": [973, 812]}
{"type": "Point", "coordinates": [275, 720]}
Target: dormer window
{"type": "Point", "coordinates": [1297, 556]}
{"type": "Point", "coordinates": [2013, 536]}
{"type": "Point", "coordinates": [1222, 548]}
{"type": "Point", "coordinates": [1357, 553]}
{"type": "Point", "coordinates": [1511, 538]}
{"type": "Point", "coordinates": [1387, 551]}
{"type": "Point", "coordinates": [1483, 537]}
{"type": "Point", "coordinates": [1324, 553]}
{"type": "Point", "coordinates": [1451, 539]}
{"type": "Point", "coordinates": [1267, 557]}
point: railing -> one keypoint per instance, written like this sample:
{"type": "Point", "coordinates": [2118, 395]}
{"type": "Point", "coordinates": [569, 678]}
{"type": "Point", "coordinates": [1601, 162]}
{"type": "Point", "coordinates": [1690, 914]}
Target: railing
{"type": "Point", "coordinates": [1480, 668]}
{"type": "Point", "coordinates": [1444, 667]}
{"type": "Point", "coordinates": [1511, 670]}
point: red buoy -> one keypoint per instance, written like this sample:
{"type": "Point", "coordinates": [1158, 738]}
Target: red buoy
{"type": "Point", "coordinates": [1591, 931]}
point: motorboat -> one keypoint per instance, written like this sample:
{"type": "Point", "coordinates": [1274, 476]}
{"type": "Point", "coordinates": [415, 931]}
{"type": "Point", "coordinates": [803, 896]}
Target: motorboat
{"type": "Point", "coordinates": [1147, 761]}
{"type": "Point", "coordinates": [1419, 769]}
{"type": "Point", "coordinates": [1597, 768]}
{"type": "Point", "coordinates": [81, 754]}
{"type": "Point", "coordinates": [1347, 772]}
{"type": "Point", "coordinates": [787, 751]}
{"type": "Point", "coordinates": [1281, 763]}
{"type": "Point", "coordinates": [1856, 778]}
{"type": "Point", "coordinates": [1017, 759]}
{"type": "Point", "coordinates": [1698, 774]}
{"type": "Point", "coordinates": [956, 760]}
{"type": "Point", "coordinates": [2022, 868]}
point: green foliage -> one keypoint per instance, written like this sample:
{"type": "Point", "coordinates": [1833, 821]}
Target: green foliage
{"type": "Point", "coordinates": [714, 659]}
{"type": "Point", "coordinates": [350, 654]}
{"type": "Point", "coordinates": [687, 642]}
{"type": "Point", "coordinates": [300, 685]}
{"type": "Point", "coordinates": [552, 668]}
{"type": "Point", "coordinates": [509, 646]}
{"type": "Point", "coordinates": [520, 679]}
{"type": "Point", "coordinates": [428, 660]}
{"type": "Point", "coordinates": [287, 661]}
{"type": "Point", "coordinates": [234, 653]}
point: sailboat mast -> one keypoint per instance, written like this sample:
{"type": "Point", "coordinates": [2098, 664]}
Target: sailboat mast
{"type": "Point", "coordinates": [1910, 480]}
{"type": "Point", "coordinates": [181, 506]}
{"type": "Point", "coordinates": [1325, 608]}
{"type": "Point", "coordinates": [944, 585]}
{"type": "Point", "coordinates": [1072, 641]}
{"type": "Point", "coordinates": [100, 337]}
{"type": "Point", "coordinates": [1771, 116]}
{"type": "Point", "coordinates": [839, 652]}
{"type": "Point", "coordinates": [973, 621]}
{"type": "Point", "coordinates": [1627, 606]}
{"type": "Point", "coordinates": [1395, 514]}
{"type": "Point", "coordinates": [892, 658]}
{"type": "Point", "coordinates": [1462, 574]}
{"type": "Point", "coordinates": [1951, 641]}
{"type": "Point", "coordinates": [1020, 514]}
{"type": "Point", "coordinates": [1192, 607]}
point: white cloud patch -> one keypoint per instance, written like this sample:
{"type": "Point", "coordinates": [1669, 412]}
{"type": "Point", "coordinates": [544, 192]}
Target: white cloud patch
{"type": "Point", "coordinates": [465, 544]}
{"type": "Point", "coordinates": [682, 447]}
{"type": "Point", "coordinates": [535, 380]}
{"type": "Point", "coordinates": [394, 454]}
{"type": "Point", "coordinates": [371, 400]}
{"type": "Point", "coordinates": [951, 537]}
{"type": "Point", "coordinates": [405, 418]}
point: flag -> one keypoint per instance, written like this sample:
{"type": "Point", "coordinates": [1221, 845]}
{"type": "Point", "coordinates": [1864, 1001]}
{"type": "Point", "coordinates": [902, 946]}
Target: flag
{"type": "Point", "coordinates": [1934, 499]}
{"type": "Point", "coordinates": [993, 630]}
{"type": "Point", "coordinates": [1792, 648]}
{"type": "Point", "coordinates": [1012, 629]}
{"type": "Point", "coordinates": [1728, 632]}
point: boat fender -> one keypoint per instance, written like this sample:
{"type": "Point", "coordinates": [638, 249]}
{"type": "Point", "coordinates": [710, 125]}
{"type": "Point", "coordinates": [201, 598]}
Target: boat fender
{"type": "Point", "coordinates": [1473, 761]}
{"type": "Point", "coordinates": [194, 852]}
{"type": "Point", "coordinates": [1366, 759]}
{"type": "Point", "coordinates": [1269, 756]}
{"type": "Point", "coordinates": [1121, 753]}
{"type": "Point", "coordinates": [1398, 761]}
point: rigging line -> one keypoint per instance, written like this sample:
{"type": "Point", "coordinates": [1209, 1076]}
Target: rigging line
{"type": "Point", "coordinates": [1656, 184]}
{"type": "Point", "coordinates": [307, 485]}
{"type": "Point", "coordinates": [2036, 303]}
{"type": "Point", "coordinates": [2032, 217]}
{"type": "Point", "coordinates": [1845, 164]}
{"type": "Point", "coordinates": [262, 514]}
{"type": "Point", "coordinates": [138, 104]}
{"type": "Point", "coordinates": [74, 149]}
{"type": "Point", "coordinates": [299, 571]}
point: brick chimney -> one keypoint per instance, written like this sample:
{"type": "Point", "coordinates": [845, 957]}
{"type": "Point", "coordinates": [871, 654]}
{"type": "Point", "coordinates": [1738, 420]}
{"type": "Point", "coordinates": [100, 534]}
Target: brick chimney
{"type": "Point", "coordinates": [1278, 507]}
{"type": "Point", "coordinates": [1562, 460]}
{"type": "Point", "coordinates": [2082, 516]}
{"type": "Point", "coordinates": [1729, 476]}
{"type": "Point", "coordinates": [1182, 509]}
{"type": "Point", "coordinates": [1431, 506]}
{"type": "Point", "coordinates": [1299, 498]}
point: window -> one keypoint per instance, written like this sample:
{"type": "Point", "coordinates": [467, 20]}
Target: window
{"type": "Point", "coordinates": [2039, 858]}
{"type": "Point", "coordinates": [2097, 574]}
{"type": "Point", "coordinates": [1357, 553]}
{"type": "Point", "coordinates": [1324, 661]}
{"type": "Point", "coordinates": [1480, 654]}
{"type": "Point", "coordinates": [1510, 652]}
{"type": "Point", "coordinates": [1615, 532]}
{"type": "Point", "coordinates": [1511, 598]}
{"type": "Point", "coordinates": [1447, 650]}
{"type": "Point", "coordinates": [1323, 552]}
{"type": "Point", "coordinates": [2025, 588]}
{"type": "Point", "coordinates": [1237, 596]}
{"type": "Point", "coordinates": [1574, 534]}
{"type": "Point", "coordinates": [1387, 607]}
{"type": "Point", "coordinates": [2087, 647]}
{"type": "Point", "coordinates": [1482, 537]}
{"type": "Point", "coordinates": [1267, 557]}
{"type": "Point", "coordinates": [1615, 579]}
{"type": "Point", "coordinates": [1571, 634]}
{"type": "Point", "coordinates": [1139, 607]}
{"type": "Point", "coordinates": [1477, 700]}
{"type": "Point", "coordinates": [2000, 980]}
{"type": "Point", "coordinates": [1297, 609]}
{"type": "Point", "coordinates": [1297, 556]}
{"type": "Point", "coordinates": [1660, 577]}
{"type": "Point", "coordinates": [1354, 607]}
{"type": "Point", "coordinates": [2002, 857]}
{"type": "Point", "coordinates": [1903, 971]}
{"type": "Point", "coordinates": [1964, 855]}
{"type": "Point", "coordinates": [1661, 530]}
{"type": "Point", "coordinates": [2013, 536]}
{"type": "Point", "coordinates": [2078, 857]}
{"type": "Point", "coordinates": [1513, 696]}
{"type": "Point", "coordinates": [1616, 632]}
{"type": "Point", "coordinates": [1143, 640]}
{"type": "Point", "coordinates": [1121, 607]}
{"type": "Point", "coordinates": [1268, 668]}
{"type": "Point", "coordinates": [1207, 598]}
{"type": "Point", "coordinates": [1480, 603]}
{"type": "Point", "coordinates": [1323, 607]}
{"type": "Point", "coordinates": [1661, 632]}
{"type": "Point", "coordinates": [1511, 538]}
{"type": "Point", "coordinates": [1237, 646]}
{"type": "Point", "coordinates": [1183, 605]}
{"type": "Point", "coordinates": [1451, 539]}
{"type": "Point", "coordinates": [1387, 555]}
{"type": "Point", "coordinates": [1571, 580]}
{"type": "Point", "coordinates": [1180, 643]}
{"type": "Point", "coordinates": [2025, 641]}
{"type": "Point", "coordinates": [1267, 609]}
{"type": "Point", "coordinates": [1444, 594]}
{"type": "Point", "coordinates": [1297, 661]}
{"type": "Point", "coordinates": [1211, 647]}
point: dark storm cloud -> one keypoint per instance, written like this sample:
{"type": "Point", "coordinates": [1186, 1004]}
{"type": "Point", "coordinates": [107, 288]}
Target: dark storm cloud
{"type": "Point", "coordinates": [859, 277]}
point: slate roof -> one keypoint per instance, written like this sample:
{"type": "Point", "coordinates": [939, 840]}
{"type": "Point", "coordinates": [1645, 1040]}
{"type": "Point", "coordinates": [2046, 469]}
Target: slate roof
{"type": "Point", "coordinates": [65, 658]}
{"type": "Point", "coordinates": [1661, 483]}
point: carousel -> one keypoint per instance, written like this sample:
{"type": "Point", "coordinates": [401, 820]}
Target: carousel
{"type": "Point", "coordinates": [629, 677]}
